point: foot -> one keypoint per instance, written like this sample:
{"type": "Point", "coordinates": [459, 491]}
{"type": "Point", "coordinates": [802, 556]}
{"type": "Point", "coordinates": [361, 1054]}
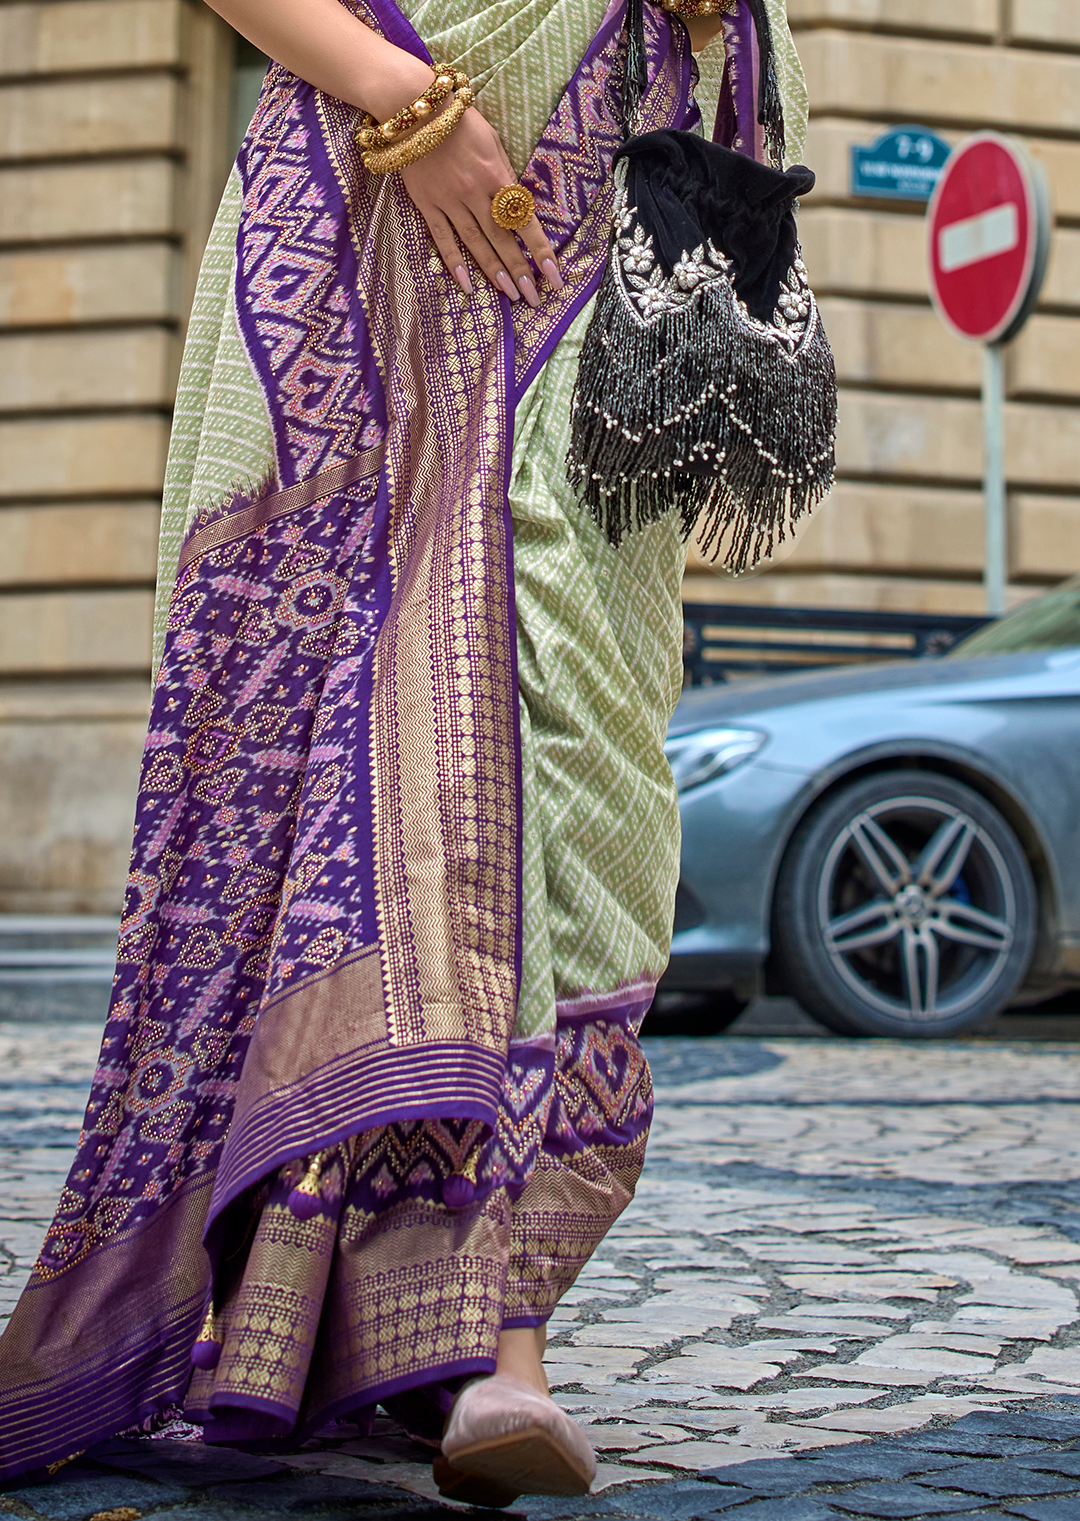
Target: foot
{"type": "Point", "coordinates": [505, 1438]}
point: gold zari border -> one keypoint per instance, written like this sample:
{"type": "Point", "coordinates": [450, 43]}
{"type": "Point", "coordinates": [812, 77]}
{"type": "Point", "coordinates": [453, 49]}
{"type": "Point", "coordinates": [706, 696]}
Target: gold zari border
{"type": "Point", "coordinates": [278, 503]}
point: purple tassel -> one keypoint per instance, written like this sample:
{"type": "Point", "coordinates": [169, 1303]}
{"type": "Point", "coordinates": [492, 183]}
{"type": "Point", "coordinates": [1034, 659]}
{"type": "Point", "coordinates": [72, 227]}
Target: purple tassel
{"type": "Point", "coordinates": [458, 1191]}
{"type": "Point", "coordinates": [304, 1206]}
{"type": "Point", "coordinates": [206, 1354]}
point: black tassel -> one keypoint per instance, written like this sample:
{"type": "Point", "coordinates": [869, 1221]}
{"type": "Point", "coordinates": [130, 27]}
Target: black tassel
{"type": "Point", "coordinates": [636, 78]}
{"type": "Point", "coordinates": [770, 104]}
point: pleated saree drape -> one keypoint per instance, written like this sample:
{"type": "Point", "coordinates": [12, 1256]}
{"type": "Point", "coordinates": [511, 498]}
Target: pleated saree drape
{"type": "Point", "coordinates": [406, 842]}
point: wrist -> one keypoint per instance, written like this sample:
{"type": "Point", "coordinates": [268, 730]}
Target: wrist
{"type": "Point", "coordinates": [399, 80]}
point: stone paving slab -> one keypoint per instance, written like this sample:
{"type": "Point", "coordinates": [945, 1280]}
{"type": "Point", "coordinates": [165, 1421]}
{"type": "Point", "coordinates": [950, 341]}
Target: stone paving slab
{"type": "Point", "coordinates": [850, 1272]}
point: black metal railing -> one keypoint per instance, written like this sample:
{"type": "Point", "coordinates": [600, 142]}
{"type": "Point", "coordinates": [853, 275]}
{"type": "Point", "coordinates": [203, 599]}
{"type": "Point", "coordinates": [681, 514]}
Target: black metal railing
{"type": "Point", "coordinates": [723, 642]}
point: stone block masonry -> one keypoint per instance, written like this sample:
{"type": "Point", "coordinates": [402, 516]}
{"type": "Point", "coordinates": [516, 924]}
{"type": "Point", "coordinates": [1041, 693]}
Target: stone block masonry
{"type": "Point", "coordinates": [904, 528]}
{"type": "Point", "coordinates": [114, 146]}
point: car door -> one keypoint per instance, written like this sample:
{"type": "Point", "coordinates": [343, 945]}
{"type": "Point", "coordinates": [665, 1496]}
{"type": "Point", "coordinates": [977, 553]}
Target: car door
{"type": "Point", "coordinates": [1032, 739]}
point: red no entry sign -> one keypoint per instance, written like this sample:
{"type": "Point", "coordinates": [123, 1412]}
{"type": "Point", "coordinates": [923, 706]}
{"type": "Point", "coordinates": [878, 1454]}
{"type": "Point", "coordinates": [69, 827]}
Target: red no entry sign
{"type": "Point", "coordinates": [989, 235]}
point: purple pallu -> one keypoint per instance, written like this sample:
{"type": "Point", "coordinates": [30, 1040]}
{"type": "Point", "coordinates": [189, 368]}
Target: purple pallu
{"type": "Point", "coordinates": [320, 946]}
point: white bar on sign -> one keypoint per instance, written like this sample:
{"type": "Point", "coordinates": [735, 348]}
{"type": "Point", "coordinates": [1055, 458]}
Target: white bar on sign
{"type": "Point", "coordinates": [976, 238]}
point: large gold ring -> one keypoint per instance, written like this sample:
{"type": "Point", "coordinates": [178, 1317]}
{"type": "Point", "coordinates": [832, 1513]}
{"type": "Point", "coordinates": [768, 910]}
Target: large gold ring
{"type": "Point", "coordinates": [512, 207]}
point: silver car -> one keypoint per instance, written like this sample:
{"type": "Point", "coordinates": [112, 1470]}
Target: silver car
{"type": "Point", "coordinates": [896, 847]}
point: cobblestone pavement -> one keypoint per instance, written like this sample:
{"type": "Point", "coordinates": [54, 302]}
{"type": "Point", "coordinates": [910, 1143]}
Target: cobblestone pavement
{"type": "Point", "coordinates": [847, 1288]}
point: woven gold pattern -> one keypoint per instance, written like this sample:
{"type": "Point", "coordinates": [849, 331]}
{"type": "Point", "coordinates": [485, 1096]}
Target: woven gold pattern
{"type": "Point", "coordinates": [269, 1324]}
{"type": "Point", "coordinates": [443, 667]}
{"type": "Point", "coordinates": [689, 9]}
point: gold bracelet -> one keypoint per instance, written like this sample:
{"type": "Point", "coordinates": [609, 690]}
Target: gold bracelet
{"type": "Point", "coordinates": [422, 142]}
{"type": "Point", "coordinates": [370, 134]}
{"type": "Point", "coordinates": [690, 10]}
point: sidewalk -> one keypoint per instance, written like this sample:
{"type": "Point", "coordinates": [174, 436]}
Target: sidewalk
{"type": "Point", "coordinates": [849, 1276]}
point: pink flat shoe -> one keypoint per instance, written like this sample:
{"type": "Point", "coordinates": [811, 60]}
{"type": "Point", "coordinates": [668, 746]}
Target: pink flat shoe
{"type": "Point", "coordinates": [504, 1439]}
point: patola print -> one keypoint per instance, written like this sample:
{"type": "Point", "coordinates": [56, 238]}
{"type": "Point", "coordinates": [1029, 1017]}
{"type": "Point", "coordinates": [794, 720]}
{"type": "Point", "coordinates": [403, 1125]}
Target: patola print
{"type": "Point", "coordinates": [317, 991]}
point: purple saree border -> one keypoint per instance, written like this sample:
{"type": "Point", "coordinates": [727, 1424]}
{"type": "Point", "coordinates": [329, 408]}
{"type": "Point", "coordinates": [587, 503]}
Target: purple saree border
{"type": "Point", "coordinates": [123, 1379]}
{"type": "Point", "coordinates": [415, 1380]}
{"type": "Point", "coordinates": [102, 1398]}
{"type": "Point", "coordinates": [583, 291]}
{"type": "Point", "coordinates": [382, 1078]}
{"type": "Point", "coordinates": [606, 1007]}
{"type": "Point", "coordinates": [397, 28]}
{"type": "Point", "coordinates": [224, 1423]}
{"type": "Point", "coordinates": [508, 528]}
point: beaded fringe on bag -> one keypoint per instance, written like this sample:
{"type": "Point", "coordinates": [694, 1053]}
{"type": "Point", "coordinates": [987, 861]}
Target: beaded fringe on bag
{"type": "Point", "coordinates": [685, 399]}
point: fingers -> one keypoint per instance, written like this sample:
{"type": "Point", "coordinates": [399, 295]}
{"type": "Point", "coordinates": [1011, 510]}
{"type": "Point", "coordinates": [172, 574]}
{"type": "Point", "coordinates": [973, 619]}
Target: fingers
{"type": "Point", "coordinates": [496, 252]}
{"type": "Point", "coordinates": [497, 255]}
{"type": "Point", "coordinates": [543, 255]}
{"type": "Point", "coordinates": [509, 250]}
{"type": "Point", "coordinates": [512, 259]}
{"type": "Point", "coordinates": [442, 235]}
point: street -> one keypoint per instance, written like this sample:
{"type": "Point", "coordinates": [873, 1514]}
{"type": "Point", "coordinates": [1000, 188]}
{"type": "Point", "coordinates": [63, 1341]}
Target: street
{"type": "Point", "coordinates": [838, 1250]}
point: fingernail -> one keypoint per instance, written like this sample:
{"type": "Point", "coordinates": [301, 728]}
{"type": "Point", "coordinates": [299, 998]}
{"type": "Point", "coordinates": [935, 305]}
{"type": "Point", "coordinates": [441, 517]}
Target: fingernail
{"type": "Point", "coordinates": [552, 275]}
{"type": "Point", "coordinates": [528, 290]}
{"type": "Point", "coordinates": [461, 275]}
{"type": "Point", "coordinates": [506, 285]}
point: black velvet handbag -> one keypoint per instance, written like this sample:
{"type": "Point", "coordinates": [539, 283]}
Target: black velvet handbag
{"type": "Point", "coordinates": [706, 382]}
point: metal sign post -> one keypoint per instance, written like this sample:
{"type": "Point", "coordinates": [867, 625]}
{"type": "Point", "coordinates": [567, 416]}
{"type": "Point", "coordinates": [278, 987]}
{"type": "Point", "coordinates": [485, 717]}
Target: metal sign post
{"type": "Point", "coordinates": [989, 227]}
{"type": "Point", "coordinates": [996, 562]}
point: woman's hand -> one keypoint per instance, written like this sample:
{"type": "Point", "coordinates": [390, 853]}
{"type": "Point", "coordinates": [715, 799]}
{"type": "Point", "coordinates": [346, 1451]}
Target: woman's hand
{"type": "Point", "coordinates": [322, 42]}
{"type": "Point", "coordinates": [452, 189]}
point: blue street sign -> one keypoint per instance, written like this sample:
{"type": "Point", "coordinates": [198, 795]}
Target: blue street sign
{"type": "Point", "coordinates": [903, 165]}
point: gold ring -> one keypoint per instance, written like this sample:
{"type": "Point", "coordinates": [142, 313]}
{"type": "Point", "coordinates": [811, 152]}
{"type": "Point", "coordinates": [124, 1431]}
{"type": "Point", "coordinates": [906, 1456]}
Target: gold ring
{"type": "Point", "coordinates": [512, 207]}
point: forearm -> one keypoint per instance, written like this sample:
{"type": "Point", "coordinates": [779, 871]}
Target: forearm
{"type": "Point", "coordinates": [322, 42]}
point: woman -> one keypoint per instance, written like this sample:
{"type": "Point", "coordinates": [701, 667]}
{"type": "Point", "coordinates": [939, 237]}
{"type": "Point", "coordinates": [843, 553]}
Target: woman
{"type": "Point", "coordinates": [370, 1092]}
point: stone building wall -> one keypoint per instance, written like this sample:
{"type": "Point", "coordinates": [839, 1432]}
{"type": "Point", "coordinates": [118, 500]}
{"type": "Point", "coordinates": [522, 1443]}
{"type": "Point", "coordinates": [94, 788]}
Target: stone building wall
{"type": "Point", "coordinates": [113, 150]}
{"type": "Point", "coordinates": [114, 139]}
{"type": "Point", "coordinates": [904, 527]}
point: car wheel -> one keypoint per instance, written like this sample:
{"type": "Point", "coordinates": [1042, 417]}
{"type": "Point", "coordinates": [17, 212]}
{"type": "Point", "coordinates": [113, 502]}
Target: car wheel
{"type": "Point", "coordinates": [905, 906]}
{"type": "Point", "coordinates": [704, 1013]}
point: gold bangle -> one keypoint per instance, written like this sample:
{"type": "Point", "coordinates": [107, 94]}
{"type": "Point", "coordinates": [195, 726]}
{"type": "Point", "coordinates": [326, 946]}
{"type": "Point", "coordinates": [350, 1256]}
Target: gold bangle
{"type": "Point", "coordinates": [422, 142]}
{"type": "Point", "coordinates": [690, 10]}
{"type": "Point", "coordinates": [512, 208]}
{"type": "Point", "coordinates": [370, 134]}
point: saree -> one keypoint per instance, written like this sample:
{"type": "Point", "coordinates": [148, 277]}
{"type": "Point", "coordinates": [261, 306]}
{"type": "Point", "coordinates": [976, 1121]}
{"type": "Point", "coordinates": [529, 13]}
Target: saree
{"type": "Point", "coordinates": [406, 844]}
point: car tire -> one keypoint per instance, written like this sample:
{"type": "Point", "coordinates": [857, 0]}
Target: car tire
{"type": "Point", "coordinates": [697, 1014]}
{"type": "Point", "coordinates": [905, 906]}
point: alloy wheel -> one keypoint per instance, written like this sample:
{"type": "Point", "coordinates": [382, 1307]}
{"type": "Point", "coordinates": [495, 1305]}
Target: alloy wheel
{"type": "Point", "coordinates": [916, 908]}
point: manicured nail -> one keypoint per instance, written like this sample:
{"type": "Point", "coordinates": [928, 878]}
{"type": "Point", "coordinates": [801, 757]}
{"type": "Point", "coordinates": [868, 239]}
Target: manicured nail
{"type": "Point", "coordinates": [528, 290]}
{"type": "Point", "coordinates": [552, 275]}
{"type": "Point", "coordinates": [506, 285]}
{"type": "Point", "coordinates": [461, 275]}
